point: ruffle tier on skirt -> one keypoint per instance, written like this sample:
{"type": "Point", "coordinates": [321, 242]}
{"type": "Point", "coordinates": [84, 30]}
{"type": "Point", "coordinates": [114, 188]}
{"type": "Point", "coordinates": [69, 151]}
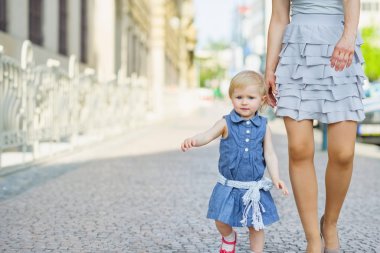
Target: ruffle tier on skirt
{"type": "Point", "coordinates": [308, 88]}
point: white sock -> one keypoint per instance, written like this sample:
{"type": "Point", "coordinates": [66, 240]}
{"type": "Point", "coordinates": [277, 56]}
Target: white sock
{"type": "Point", "coordinates": [229, 238]}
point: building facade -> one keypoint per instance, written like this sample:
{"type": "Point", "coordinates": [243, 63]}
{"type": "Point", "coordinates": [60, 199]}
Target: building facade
{"type": "Point", "coordinates": [151, 38]}
{"type": "Point", "coordinates": [370, 13]}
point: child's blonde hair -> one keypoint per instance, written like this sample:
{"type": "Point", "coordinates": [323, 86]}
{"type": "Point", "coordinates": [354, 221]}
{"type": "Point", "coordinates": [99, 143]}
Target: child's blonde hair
{"type": "Point", "coordinates": [246, 78]}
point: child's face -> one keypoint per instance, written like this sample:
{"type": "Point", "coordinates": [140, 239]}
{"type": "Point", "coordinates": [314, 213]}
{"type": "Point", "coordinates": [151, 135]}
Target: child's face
{"type": "Point", "coordinates": [246, 101]}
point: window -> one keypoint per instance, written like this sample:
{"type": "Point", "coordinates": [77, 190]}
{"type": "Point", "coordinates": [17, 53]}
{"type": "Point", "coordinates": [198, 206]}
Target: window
{"type": "Point", "coordinates": [367, 6]}
{"type": "Point", "coordinates": [35, 21]}
{"type": "Point", "coordinates": [3, 15]}
{"type": "Point", "coordinates": [83, 31]}
{"type": "Point", "coordinates": [62, 46]}
{"type": "Point", "coordinates": [130, 51]}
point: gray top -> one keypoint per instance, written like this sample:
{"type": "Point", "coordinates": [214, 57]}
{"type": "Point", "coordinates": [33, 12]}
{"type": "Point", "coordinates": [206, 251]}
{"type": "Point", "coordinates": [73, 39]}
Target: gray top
{"type": "Point", "coordinates": [317, 7]}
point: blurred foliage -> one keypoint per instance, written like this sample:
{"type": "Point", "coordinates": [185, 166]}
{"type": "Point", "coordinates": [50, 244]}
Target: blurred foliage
{"type": "Point", "coordinates": [208, 73]}
{"type": "Point", "coordinates": [210, 67]}
{"type": "Point", "coordinates": [371, 52]}
{"type": "Point", "coordinates": [217, 45]}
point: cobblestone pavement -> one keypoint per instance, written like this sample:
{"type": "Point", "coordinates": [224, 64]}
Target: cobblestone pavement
{"type": "Point", "coordinates": [139, 193]}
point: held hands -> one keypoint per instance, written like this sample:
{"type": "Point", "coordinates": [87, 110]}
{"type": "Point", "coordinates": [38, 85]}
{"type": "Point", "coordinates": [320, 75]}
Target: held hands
{"type": "Point", "coordinates": [279, 184]}
{"type": "Point", "coordinates": [343, 53]}
{"type": "Point", "coordinates": [270, 84]}
{"type": "Point", "coordinates": [188, 143]}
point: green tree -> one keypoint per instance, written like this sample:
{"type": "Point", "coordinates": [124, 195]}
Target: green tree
{"type": "Point", "coordinates": [208, 73]}
{"type": "Point", "coordinates": [371, 52]}
{"type": "Point", "coordinates": [209, 67]}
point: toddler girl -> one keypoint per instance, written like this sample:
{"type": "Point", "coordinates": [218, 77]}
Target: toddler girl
{"type": "Point", "coordinates": [241, 196]}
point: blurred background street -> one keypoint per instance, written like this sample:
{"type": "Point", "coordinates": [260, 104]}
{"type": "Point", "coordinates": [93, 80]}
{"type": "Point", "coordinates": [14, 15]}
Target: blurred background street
{"type": "Point", "coordinates": [95, 99]}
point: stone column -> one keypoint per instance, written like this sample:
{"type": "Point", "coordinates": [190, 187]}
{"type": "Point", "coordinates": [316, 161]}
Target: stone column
{"type": "Point", "coordinates": [18, 18]}
{"type": "Point", "coordinates": [104, 38]}
{"type": "Point", "coordinates": [123, 71]}
{"type": "Point", "coordinates": [182, 56]}
{"type": "Point", "coordinates": [51, 25]}
{"type": "Point", "coordinates": [73, 27]}
{"type": "Point", "coordinates": [157, 42]}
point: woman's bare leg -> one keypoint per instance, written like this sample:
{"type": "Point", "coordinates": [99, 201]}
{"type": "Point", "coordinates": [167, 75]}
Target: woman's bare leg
{"type": "Point", "coordinates": [341, 148]}
{"type": "Point", "coordinates": [256, 240]}
{"type": "Point", "coordinates": [303, 178]}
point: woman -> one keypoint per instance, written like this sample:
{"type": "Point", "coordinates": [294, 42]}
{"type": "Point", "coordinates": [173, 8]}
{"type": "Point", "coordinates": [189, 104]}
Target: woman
{"type": "Point", "coordinates": [314, 70]}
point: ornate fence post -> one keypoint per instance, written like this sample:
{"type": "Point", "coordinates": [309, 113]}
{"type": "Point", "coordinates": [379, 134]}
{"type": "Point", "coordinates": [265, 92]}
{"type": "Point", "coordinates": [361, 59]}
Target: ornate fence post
{"type": "Point", "coordinates": [133, 100]}
{"type": "Point", "coordinates": [73, 69]}
{"type": "Point", "coordinates": [53, 97]}
{"type": "Point", "coordinates": [28, 102]}
{"type": "Point", "coordinates": [1, 110]}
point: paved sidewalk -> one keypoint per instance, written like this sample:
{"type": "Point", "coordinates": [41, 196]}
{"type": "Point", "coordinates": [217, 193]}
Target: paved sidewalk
{"type": "Point", "coordinates": [138, 193]}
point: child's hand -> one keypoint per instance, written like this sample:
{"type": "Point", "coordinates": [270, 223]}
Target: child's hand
{"type": "Point", "coordinates": [281, 186]}
{"type": "Point", "coordinates": [187, 144]}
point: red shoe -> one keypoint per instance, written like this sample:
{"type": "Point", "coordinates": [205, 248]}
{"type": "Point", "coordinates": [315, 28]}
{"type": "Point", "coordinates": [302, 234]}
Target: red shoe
{"type": "Point", "coordinates": [230, 243]}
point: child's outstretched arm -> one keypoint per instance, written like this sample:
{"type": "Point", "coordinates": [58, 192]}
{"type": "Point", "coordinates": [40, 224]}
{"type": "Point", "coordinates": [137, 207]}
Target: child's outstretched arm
{"type": "Point", "coordinates": [220, 128]}
{"type": "Point", "coordinates": [272, 162]}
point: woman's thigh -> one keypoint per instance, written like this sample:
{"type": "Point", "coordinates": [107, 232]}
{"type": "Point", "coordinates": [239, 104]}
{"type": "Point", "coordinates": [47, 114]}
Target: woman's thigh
{"type": "Point", "coordinates": [300, 139]}
{"type": "Point", "coordinates": [341, 138]}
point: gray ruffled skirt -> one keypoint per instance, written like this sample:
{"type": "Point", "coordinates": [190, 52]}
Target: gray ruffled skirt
{"type": "Point", "coordinates": [308, 88]}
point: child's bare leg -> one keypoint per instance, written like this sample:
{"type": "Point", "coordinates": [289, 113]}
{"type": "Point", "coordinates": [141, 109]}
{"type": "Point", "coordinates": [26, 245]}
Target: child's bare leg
{"type": "Point", "coordinates": [224, 229]}
{"type": "Point", "coordinates": [256, 240]}
{"type": "Point", "coordinates": [228, 234]}
{"type": "Point", "coordinates": [341, 147]}
{"type": "Point", "coordinates": [303, 178]}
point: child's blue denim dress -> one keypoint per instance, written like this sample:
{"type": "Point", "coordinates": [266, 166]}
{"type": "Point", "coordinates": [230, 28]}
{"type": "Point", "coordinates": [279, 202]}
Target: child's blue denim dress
{"type": "Point", "coordinates": [241, 159]}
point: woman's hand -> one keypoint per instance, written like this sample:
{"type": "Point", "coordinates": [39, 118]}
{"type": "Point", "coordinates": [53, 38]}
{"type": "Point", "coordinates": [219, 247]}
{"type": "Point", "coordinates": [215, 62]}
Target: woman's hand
{"type": "Point", "coordinates": [270, 85]}
{"type": "Point", "coordinates": [279, 184]}
{"type": "Point", "coordinates": [343, 53]}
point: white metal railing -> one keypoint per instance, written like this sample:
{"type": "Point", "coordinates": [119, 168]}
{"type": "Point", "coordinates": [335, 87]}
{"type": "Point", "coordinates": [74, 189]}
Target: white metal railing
{"type": "Point", "coordinates": [45, 104]}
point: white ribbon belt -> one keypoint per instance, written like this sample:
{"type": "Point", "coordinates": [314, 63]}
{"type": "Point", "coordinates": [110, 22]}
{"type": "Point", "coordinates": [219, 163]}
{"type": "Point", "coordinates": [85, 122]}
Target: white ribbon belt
{"type": "Point", "coordinates": [251, 199]}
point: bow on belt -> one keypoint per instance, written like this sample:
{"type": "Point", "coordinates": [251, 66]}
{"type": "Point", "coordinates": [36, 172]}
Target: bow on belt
{"type": "Point", "coordinates": [251, 199]}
